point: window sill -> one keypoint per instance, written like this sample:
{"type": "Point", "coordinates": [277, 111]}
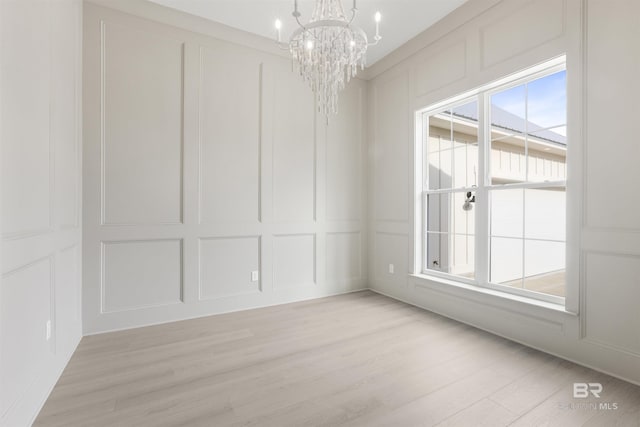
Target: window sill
{"type": "Point", "coordinates": [480, 294]}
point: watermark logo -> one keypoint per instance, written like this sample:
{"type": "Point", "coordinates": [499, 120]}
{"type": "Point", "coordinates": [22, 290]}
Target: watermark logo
{"type": "Point", "coordinates": [584, 390]}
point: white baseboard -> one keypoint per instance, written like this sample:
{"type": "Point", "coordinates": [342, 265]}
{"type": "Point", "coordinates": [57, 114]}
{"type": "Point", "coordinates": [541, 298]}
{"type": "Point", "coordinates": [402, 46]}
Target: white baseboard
{"type": "Point", "coordinates": [624, 376]}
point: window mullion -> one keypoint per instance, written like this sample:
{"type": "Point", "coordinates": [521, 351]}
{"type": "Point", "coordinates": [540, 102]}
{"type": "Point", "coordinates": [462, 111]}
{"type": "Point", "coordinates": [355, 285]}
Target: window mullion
{"type": "Point", "coordinates": [482, 194]}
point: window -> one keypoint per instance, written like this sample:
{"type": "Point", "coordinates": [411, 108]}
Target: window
{"type": "Point", "coordinates": [494, 185]}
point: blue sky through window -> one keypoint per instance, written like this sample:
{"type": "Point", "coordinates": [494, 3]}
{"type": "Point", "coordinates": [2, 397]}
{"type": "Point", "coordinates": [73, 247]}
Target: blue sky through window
{"type": "Point", "coordinates": [546, 99]}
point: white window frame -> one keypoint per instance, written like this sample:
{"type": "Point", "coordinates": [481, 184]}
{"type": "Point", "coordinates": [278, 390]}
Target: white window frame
{"type": "Point", "coordinates": [482, 208]}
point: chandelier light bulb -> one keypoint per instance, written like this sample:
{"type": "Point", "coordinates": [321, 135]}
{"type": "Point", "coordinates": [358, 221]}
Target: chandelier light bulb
{"type": "Point", "coordinates": [278, 24]}
{"type": "Point", "coordinates": [309, 44]}
{"type": "Point", "coordinates": [378, 17]}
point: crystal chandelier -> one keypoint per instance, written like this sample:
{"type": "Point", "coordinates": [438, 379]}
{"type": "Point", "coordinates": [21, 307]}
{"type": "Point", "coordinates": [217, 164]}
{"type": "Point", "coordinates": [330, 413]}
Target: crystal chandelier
{"type": "Point", "coordinates": [328, 50]}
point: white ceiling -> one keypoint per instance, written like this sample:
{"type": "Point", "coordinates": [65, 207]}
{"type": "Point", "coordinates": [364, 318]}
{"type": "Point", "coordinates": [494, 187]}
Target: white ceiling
{"type": "Point", "coordinates": [401, 19]}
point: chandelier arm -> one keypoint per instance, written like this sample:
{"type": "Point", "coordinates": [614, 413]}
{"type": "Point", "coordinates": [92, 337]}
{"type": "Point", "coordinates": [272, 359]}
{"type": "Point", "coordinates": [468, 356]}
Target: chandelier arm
{"type": "Point", "coordinates": [353, 15]}
{"type": "Point", "coordinates": [300, 23]}
{"type": "Point", "coordinates": [324, 23]}
{"type": "Point", "coordinates": [328, 50]}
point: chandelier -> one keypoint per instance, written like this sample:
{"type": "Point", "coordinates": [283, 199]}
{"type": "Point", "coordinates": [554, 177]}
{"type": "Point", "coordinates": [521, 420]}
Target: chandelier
{"type": "Point", "coordinates": [328, 50]}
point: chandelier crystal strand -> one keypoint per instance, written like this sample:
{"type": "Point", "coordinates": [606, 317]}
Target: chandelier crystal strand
{"type": "Point", "coordinates": [328, 50]}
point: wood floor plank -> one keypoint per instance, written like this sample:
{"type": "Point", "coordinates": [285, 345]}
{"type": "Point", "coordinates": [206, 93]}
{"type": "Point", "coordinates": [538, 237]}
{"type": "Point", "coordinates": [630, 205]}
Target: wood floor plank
{"type": "Point", "coordinates": [360, 359]}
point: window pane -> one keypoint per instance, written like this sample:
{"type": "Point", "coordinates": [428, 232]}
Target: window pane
{"type": "Point", "coordinates": [506, 213]}
{"type": "Point", "coordinates": [450, 233]}
{"type": "Point", "coordinates": [544, 267]}
{"type": "Point", "coordinates": [465, 145]}
{"type": "Point", "coordinates": [508, 160]}
{"type": "Point", "coordinates": [440, 151]}
{"type": "Point", "coordinates": [437, 206]}
{"type": "Point", "coordinates": [452, 148]}
{"type": "Point", "coordinates": [547, 101]}
{"type": "Point", "coordinates": [451, 253]}
{"type": "Point", "coordinates": [446, 213]}
{"type": "Point", "coordinates": [506, 261]}
{"type": "Point", "coordinates": [508, 112]}
{"type": "Point", "coordinates": [547, 155]}
{"type": "Point", "coordinates": [545, 213]}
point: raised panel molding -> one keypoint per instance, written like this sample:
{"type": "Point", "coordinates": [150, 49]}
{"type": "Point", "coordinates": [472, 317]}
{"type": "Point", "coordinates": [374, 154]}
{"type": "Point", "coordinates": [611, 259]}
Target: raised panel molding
{"type": "Point", "coordinates": [27, 173]}
{"type": "Point", "coordinates": [226, 265]}
{"type": "Point", "coordinates": [41, 200]}
{"type": "Point", "coordinates": [229, 135]}
{"type": "Point", "coordinates": [294, 261]}
{"type": "Point", "coordinates": [65, 124]}
{"type": "Point", "coordinates": [141, 127]}
{"type": "Point", "coordinates": [613, 318]}
{"type": "Point", "coordinates": [141, 274]}
{"type": "Point", "coordinates": [70, 257]}
{"type": "Point", "coordinates": [611, 207]}
{"type": "Point", "coordinates": [343, 257]}
{"type": "Point", "coordinates": [549, 16]}
{"type": "Point", "coordinates": [392, 142]}
{"type": "Point", "coordinates": [432, 74]}
{"type": "Point", "coordinates": [26, 305]}
{"type": "Point", "coordinates": [293, 149]}
{"type": "Point", "coordinates": [344, 141]}
{"type": "Point", "coordinates": [391, 248]}
{"type": "Point", "coordinates": [261, 174]}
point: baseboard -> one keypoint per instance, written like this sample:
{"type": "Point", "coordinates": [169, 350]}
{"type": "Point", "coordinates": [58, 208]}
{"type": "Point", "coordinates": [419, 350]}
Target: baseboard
{"type": "Point", "coordinates": [25, 411]}
{"type": "Point", "coordinates": [199, 316]}
{"type": "Point", "coordinates": [510, 338]}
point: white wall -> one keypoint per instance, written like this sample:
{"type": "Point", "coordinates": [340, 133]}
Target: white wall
{"type": "Point", "coordinates": [41, 199]}
{"type": "Point", "coordinates": [205, 161]}
{"type": "Point", "coordinates": [476, 44]}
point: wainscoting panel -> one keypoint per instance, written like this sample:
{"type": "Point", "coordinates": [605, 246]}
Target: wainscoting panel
{"type": "Point", "coordinates": [343, 257]}
{"type": "Point", "coordinates": [216, 165]}
{"type": "Point", "coordinates": [142, 80]}
{"type": "Point", "coordinates": [610, 206]}
{"type": "Point", "coordinates": [344, 158]}
{"type": "Point", "coordinates": [391, 248]}
{"type": "Point", "coordinates": [614, 319]}
{"type": "Point", "coordinates": [41, 155]}
{"type": "Point", "coordinates": [510, 35]}
{"type": "Point", "coordinates": [294, 261]}
{"type": "Point", "coordinates": [141, 274]}
{"type": "Point", "coordinates": [229, 134]}
{"type": "Point", "coordinates": [68, 283]}
{"type": "Point", "coordinates": [226, 266]}
{"type": "Point", "coordinates": [429, 78]}
{"type": "Point", "coordinates": [293, 149]}
{"type": "Point", "coordinates": [391, 106]}
{"type": "Point", "coordinates": [26, 145]}
{"type": "Point", "coordinates": [26, 307]}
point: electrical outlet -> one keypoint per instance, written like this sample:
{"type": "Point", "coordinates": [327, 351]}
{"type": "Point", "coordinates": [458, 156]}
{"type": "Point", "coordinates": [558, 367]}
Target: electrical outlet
{"type": "Point", "coordinates": [255, 276]}
{"type": "Point", "coordinates": [48, 330]}
{"type": "Point", "coordinates": [391, 268]}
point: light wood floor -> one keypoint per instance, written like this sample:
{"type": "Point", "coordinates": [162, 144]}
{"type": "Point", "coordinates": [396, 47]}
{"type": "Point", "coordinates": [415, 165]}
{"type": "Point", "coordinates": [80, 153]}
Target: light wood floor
{"type": "Point", "coordinates": [359, 360]}
{"type": "Point", "coordinates": [549, 283]}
